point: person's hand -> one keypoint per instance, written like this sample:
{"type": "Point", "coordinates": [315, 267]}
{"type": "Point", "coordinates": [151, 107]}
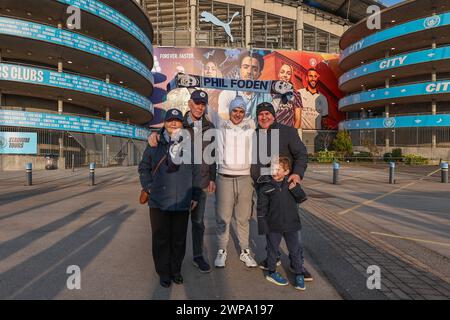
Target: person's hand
{"type": "Point", "coordinates": [293, 180]}
{"type": "Point", "coordinates": [175, 134]}
{"type": "Point", "coordinates": [212, 187]}
{"type": "Point", "coordinates": [193, 204]}
{"type": "Point", "coordinates": [153, 139]}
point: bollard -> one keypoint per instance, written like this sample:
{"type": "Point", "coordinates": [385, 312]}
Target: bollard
{"type": "Point", "coordinates": [336, 167]}
{"type": "Point", "coordinates": [392, 173]}
{"type": "Point", "coordinates": [92, 173]}
{"type": "Point", "coordinates": [73, 162]}
{"type": "Point", "coordinates": [444, 172]}
{"type": "Point", "coordinates": [29, 174]}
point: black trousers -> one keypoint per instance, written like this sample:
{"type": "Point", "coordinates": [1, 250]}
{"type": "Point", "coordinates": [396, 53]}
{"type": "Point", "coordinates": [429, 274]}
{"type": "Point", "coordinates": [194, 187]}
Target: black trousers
{"type": "Point", "coordinates": [169, 229]}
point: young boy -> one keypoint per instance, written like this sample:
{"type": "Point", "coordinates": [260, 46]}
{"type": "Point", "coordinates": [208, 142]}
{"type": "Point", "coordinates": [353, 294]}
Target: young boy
{"type": "Point", "coordinates": [278, 218]}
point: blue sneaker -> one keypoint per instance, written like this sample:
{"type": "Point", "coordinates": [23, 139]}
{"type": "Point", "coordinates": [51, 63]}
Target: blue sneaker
{"type": "Point", "coordinates": [277, 278]}
{"type": "Point", "coordinates": [300, 282]}
{"type": "Point", "coordinates": [201, 264]}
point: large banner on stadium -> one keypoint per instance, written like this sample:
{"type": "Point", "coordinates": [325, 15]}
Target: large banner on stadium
{"type": "Point", "coordinates": [314, 105]}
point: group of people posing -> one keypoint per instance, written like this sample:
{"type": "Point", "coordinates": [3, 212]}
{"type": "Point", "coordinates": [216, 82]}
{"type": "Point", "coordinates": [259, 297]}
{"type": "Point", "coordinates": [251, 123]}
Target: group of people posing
{"type": "Point", "coordinates": [239, 175]}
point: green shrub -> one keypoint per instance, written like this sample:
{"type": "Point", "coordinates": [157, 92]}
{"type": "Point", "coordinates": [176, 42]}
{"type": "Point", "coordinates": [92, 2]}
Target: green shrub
{"type": "Point", "coordinates": [343, 143]}
{"type": "Point", "coordinates": [397, 153]}
{"type": "Point", "coordinates": [326, 156]}
{"type": "Point", "coordinates": [394, 156]}
{"type": "Point", "coordinates": [387, 157]}
{"type": "Point", "coordinates": [312, 157]}
{"type": "Point", "coordinates": [362, 156]}
{"type": "Point", "coordinates": [415, 159]}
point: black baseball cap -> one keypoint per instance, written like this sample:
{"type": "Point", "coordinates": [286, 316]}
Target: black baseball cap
{"type": "Point", "coordinates": [199, 96]}
{"type": "Point", "coordinates": [172, 114]}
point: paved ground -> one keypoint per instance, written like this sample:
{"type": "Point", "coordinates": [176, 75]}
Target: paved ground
{"type": "Point", "coordinates": [61, 221]}
{"type": "Point", "coordinates": [403, 228]}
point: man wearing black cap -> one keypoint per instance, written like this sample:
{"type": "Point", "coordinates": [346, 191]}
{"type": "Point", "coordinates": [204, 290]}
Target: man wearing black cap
{"type": "Point", "coordinates": [195, 119]}
{"type": "Point", "coordinates": [289, 145]}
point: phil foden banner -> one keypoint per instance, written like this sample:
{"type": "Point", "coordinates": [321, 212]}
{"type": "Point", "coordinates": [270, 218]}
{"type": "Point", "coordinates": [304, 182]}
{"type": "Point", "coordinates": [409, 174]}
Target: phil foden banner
{"type": "Point", "coordinates": [257, 86]}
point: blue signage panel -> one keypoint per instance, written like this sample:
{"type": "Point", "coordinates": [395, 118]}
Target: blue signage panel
{"type": "Point", "coordinates": [71, 123]}
{"type": "Point", "coordinates": [73, 40]}
{"type": "Point", "coordinates": [399, 61]}
{"type": "Point", "coordinates": [11, 72]}
{"type": "Point", "coordinates": [18, 143]}
{"type": "Point", "coordinates": [418, 89]}
{"type": "Point", "coordinates": [435, 21]}
{"type": "Point", "coordinates": [115, 17]}
{"type": "Point", "coordinates": [440, 120]}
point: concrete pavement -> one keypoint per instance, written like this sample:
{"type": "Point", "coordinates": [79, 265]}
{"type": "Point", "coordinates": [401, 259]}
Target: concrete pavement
{"type": "Point", "coordinates": [404, 229]}
{"type": "Point", "coordinates": [62, 221]}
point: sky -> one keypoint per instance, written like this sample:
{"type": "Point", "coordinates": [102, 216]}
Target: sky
{"type": "Point", "coordinates": [390, 2]}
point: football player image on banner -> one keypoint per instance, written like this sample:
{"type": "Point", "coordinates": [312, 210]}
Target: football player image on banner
{"type": "Point", "coordinates": [212, 62]}
{"type": "Point", "coordinates": [294, 65]}
{"type": "Point", "coordinates": [250, 68]}
{"type": "Point", "coordinates": [315, 104]}
{"type": "Point", "coordinates": [288, 112]}
{"type": "Point", "coordinates": [229, 73]}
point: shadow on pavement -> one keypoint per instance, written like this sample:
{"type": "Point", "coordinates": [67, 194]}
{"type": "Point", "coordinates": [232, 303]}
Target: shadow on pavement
{"type": "Point", "coordinates": [43, 275]}
{"type": "Point", "coordinates": [88, 190]}
{"type": "Point", "coordinates": [12, 246]}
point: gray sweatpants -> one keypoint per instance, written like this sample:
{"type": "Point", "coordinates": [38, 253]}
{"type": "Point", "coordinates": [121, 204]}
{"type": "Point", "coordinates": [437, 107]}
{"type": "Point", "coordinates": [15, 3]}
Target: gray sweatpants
{"type": "Point", "coordinates": [233, 195]}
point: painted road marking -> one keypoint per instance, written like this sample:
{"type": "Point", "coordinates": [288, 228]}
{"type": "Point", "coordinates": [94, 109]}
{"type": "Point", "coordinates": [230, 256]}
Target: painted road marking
{"type": "Point", "coordinates": [386, 194]}
{"type": "Point", "coordinates": [412, 239]}
{"type": "Point", "coordinates": [328, 170]}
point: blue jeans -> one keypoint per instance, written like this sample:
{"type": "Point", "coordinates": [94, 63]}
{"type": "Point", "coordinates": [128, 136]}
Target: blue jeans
{"type": "Point", "coordinates": [302, 258]}
{"type": "Point", "coordinates": [294, 248]}
{"type": "Point", "coordinates": [198, 225]}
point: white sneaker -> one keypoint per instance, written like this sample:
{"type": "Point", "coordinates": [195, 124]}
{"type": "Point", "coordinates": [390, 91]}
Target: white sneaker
{"type": "Point", "coordinates": [220, 259]}
{"type": "Point", "coordinates": [247, 258]}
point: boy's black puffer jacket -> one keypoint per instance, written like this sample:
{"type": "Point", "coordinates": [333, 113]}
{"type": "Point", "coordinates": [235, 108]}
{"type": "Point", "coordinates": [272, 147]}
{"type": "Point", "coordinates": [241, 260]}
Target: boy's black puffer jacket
{"type": "Point", "coordinates": [278, 207]}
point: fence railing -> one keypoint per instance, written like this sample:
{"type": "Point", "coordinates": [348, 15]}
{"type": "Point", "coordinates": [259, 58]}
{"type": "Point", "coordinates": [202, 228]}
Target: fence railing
{"type": "Point", "coordinates": [406, 160]}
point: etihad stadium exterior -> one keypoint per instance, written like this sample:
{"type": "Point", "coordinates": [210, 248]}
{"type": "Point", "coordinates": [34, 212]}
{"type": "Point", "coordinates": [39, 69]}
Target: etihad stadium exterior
{"type": "Point", "coordinates": [77, 74]}
{"type": "Point", "coordinates": [397, 80]}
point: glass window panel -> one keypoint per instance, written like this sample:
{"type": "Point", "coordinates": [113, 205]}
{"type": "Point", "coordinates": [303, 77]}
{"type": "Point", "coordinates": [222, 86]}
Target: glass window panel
{"type": "Point", "coordinates": [334, 44]}
{"type": "Point", "coordinates": [288, 34]}
{"type": "Point", "coordinates": [273, 32]}
{"type": "Point", "coordinates": [322, 41]}
{"type": "Point", "coordinates": [259, 29]}
{"type": "Point", "coordinates": [309, 38]}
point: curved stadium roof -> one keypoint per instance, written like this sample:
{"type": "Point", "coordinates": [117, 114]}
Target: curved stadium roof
{"type": "Point", "coordinates": [353, 10]}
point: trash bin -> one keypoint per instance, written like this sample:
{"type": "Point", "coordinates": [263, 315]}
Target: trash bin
{"type": "Point", "coordinates": [51, 162]}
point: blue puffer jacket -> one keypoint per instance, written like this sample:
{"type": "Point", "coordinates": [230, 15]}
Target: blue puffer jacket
{"type": "Point", "coordinates": [173, 187]}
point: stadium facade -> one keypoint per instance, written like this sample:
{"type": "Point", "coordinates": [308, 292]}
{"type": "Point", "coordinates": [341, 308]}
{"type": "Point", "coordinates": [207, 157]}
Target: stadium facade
{"type": "Point", "coordinates": [397, 80]}
{"type": "Point", "coordinates": [259, 24]}
{"type": "Point", "coordinates": [75, 82]}
{"type": "Point", "coordinates": [295, 35]}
